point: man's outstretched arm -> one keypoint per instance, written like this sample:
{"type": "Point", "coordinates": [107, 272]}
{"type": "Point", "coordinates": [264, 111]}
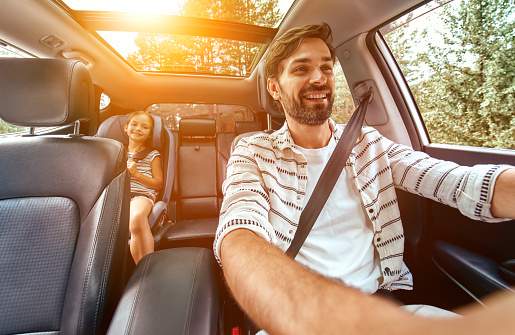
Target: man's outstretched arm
{"type": "Point", "coordinates": [503, 201]}
{"type": "Point", "coordinates": [283, 297]}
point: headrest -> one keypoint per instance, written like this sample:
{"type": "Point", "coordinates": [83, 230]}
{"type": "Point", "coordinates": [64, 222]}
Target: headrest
{"type": "Point", "coordinates": [265, 99]}
{"type": "Point", "coordinates": [37, 92]}
{"type": "Point", "coordinates": [113, 128]}
{"type": "Point", "coordinates": [197, 127]}
{"type": "Point", "coordinates": [241, 127]}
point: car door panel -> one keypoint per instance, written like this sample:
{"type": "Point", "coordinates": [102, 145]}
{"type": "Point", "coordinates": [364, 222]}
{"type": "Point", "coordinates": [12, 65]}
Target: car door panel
{"type": "Point", "coordinates": [475, 273]}
{"type": "Point", "coordinates": [475, 255]}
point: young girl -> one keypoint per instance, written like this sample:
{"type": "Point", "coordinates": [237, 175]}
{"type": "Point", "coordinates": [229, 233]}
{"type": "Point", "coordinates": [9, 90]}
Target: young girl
{"type": "Point", "coordinates": [146, 181]}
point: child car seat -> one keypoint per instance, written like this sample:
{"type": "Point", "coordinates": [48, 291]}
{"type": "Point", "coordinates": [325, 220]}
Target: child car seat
{"type": "Point", "coordinates": [163, 141]}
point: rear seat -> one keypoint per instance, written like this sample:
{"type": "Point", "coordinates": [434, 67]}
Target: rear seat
{"type": "Point", "coordinates": [195, 188]}
{"type": "Point", "coordinates": [201, 169]}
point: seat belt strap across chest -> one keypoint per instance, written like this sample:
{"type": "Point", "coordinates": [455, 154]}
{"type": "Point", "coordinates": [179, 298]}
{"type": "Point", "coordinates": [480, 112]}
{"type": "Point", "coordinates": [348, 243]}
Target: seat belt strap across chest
{"type": "Point", "coordinates": [141, 155]}
{"type": "Point", "coordinates": [330, 174]}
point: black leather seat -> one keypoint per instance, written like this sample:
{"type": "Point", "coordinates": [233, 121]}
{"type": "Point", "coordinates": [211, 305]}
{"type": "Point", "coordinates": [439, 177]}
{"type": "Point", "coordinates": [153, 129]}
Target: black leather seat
{"type": "Point", "coordinates": [64, 205]}
{"type": "Point", "coordinates": [173, 291]}
{"type": "Point", "coordinates": [163, 141]}
{"type": "Point", "coordinates": [196, 188]}
{"type": "Point", "coordinates": [201, 169]}
{"type": "Point", "coordinates": [223, 146]}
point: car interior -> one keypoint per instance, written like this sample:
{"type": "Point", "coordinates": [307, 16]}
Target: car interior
{"type": "Point", "coordinates": [72, 71]}
{"type": "Point", "coordinates": [64, 205]}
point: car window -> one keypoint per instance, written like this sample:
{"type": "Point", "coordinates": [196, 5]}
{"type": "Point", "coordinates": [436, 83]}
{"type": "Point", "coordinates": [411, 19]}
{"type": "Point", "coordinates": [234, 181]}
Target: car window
{"type": "Point", "coordinates": [459, 61]}
{"type": "Point", "coordinates": [225, 115]}
{"type": "Point", "coordinates": [343, 104]}
{"type": "Point", "coordinates": [104, 101]}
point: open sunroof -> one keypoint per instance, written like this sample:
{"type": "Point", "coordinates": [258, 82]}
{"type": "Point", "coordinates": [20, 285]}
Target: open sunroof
{"type": "Point", "coordinates": [225, 37]}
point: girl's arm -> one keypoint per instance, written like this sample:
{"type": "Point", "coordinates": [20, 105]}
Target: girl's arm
{"type": "Point", "coordinates": [156, 181]}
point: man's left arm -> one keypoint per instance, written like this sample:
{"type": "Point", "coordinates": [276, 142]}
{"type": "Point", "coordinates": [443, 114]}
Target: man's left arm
{"type": "Point", "coordinates": [503, 199]}
{"type": "Point", "coordinates": [461, 187]}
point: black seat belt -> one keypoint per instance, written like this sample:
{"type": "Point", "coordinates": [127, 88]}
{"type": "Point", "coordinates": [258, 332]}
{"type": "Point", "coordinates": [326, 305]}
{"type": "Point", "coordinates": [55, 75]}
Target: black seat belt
{"type": "Point", "coordinates": [140, 155]}
{"type": "Point", "coordinates": [331, 173]}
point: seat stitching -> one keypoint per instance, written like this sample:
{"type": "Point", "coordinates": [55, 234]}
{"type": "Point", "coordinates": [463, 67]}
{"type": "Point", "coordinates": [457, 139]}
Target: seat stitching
{"type": "Point", "coordinates": [193, 290]}
{"type": "Point", "coordinates": [89, 266]}
{"type": "Point", "coordinates": [138, 294]}
{"type": "Point", "coordinates": [110, 247]}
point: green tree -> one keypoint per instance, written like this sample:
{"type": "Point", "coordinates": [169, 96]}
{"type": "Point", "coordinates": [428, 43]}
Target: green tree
{"type": "Point", "coordinates": [207, 55]}
{"type": "Point", "coordinates": [464, 78]}
{"type": "Point", "coordinates": [343, 104]}
{"type": "Point", "coordinates": [6, 128]}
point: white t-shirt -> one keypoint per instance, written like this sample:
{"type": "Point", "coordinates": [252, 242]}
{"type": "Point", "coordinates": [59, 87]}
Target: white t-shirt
{"type": "Point", "coordinates": [340, 245]}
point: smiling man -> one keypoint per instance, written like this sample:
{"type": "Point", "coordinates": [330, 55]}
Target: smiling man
{"type": "Point", "coordinates": [306, 105]}
{"type": "Point", "coordinates": [357, 242]}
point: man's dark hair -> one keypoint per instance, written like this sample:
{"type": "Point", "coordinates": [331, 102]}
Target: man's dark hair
{"type": "Point", "coordinates": [288, 43]}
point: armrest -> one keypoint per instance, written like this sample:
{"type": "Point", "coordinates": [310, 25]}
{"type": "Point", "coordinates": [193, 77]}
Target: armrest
{"type": "Point", "coordinates": [158, 215]}
{"type": "Point", "coordinates": [507, 271]}
{"type": "Point", "coordinates": [193, 229]}
{"type": "Point", "coordinates": [160, 233]}
{"type": "Point", "coordinates": [477, 274]}
{"type": "Point", "coordinates": [170, 291]}
{"type": "Point", "coordinates": [159, 224]}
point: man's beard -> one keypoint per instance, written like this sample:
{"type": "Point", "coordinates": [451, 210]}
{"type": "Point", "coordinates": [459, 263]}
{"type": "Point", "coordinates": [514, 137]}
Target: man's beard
{"type": "Point", "coordinates": [308, 115]}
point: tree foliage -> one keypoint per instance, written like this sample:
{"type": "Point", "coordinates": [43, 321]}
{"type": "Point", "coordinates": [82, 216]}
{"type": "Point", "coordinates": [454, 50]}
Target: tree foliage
{"type": "Point", "coordinates": [462, 74]}
{"type": "Point", "coordinates": [176, 53]}
{"type": "Point", "coordinates": [343, 104]}
{"type": "Point", "coordinates": [6, 128]}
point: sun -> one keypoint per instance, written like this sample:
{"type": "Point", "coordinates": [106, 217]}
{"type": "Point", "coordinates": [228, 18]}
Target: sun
{"type": "Point", "coordinates": [123, 42]}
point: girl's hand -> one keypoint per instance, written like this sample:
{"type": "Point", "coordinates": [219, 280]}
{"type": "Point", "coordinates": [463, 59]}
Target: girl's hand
{"type": "Point", "coordinates": [131, 166]}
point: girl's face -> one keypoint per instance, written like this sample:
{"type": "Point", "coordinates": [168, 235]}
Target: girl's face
{"type": "Point", "coordinates": [139, 128]}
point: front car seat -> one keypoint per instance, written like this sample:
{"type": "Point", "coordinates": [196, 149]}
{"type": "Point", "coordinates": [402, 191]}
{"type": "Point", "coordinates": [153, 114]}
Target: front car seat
{"type": "Point", "coordinates": [64, 205]}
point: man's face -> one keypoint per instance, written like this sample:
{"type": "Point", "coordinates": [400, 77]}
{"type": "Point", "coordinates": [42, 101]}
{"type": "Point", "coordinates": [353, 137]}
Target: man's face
{"type": "Point", "coordinates": [306, 84]}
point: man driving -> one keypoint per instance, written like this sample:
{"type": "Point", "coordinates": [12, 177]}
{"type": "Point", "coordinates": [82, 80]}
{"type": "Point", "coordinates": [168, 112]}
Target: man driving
{"type": "Point", "coordinates": [357, 240]}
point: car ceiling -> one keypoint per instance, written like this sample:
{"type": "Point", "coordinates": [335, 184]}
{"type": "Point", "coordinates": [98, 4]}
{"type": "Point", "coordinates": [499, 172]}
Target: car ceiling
{"type": "Point", "coordinates": [25, 22]}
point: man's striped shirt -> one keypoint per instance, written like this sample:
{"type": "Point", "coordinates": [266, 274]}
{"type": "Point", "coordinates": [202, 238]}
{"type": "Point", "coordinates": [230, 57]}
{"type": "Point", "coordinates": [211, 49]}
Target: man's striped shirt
{"type": "Point", "coordinates": [266, 182]}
